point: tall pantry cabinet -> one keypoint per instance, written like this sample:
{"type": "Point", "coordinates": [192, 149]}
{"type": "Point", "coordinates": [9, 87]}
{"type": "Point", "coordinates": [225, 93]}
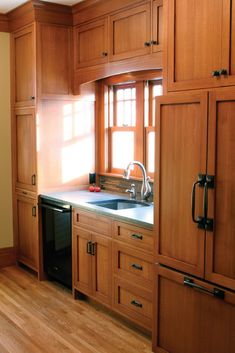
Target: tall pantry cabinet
{"type": "Point", "coordinates": [40, 54]}
{"type": "Point", "coordinates": [195, 171]}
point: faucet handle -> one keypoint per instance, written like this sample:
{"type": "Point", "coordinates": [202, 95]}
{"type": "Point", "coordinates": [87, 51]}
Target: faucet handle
{"type": "Point", "coordinates": [132, 191]}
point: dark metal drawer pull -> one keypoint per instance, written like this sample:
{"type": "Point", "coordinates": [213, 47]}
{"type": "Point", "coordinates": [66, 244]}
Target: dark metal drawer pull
{"type": "Point", "coordinates": [89, 247]}
{"type": "Point", "coordinates": [136, 303]}
{"type": "Point", "coordinates": [93, 249]}
{"type": "Point", "coordinates": [137, 236]}
{"type": "Point", "coordinates": [218, 293]}
{"type": "Point", "coordinates": [137, 267]}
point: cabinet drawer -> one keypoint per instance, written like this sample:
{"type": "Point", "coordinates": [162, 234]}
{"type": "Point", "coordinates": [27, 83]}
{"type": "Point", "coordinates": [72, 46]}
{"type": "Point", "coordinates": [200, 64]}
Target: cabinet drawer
{"type": "Point", "coordinates": [133, 302]}
{"type": "Point", "coordinates": [133, 265]}
{"type": "Point", "coordinates": [92, 221]}
{"type": "Point", "coordinates": [139, 237]}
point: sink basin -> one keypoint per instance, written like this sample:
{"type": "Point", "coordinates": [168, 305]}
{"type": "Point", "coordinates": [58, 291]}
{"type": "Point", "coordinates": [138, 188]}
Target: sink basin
{"type": "Point", "coordinates": [119, 204]}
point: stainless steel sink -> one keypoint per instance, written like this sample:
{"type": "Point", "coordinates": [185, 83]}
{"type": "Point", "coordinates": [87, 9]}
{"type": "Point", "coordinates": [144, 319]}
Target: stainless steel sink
{"type": "Point", "coordinates": [119, 204]}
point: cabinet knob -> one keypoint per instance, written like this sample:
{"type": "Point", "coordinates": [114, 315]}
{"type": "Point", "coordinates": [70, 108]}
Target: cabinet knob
{"type": "Point", "coordinates": [154, 42]}
{"type": "Point", "coordinates": [33, 179]}
{"type": "Point", "coordinates": [32, 97]}
{"type": "Point", "coordinates": [34, 211]}
{"type": "Point", "coordinates": [216, 73]}
{"type": "Point", "coordinates": [147, 44]}
{"type": "Point", "coordinates": [223, 72]}
{"type": "Point", "coordinates": [104, 53]}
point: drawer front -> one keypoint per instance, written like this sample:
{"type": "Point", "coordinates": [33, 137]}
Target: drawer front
{"type": "Point", "coordinates": [92, 221]}
{"type": "Point", "coordinates": [139, 237]}
{"type": "Point", "coordinates": [134, 302]}
{"type": "Point", "coordinates": [133, 265]}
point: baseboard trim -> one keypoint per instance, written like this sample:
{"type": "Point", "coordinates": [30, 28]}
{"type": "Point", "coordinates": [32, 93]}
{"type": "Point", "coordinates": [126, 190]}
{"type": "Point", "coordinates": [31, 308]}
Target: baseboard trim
{"type": "Point", "coordinates": [7, 257]}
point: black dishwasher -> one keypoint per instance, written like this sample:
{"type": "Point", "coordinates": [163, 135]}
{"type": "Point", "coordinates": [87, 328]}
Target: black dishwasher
{"type": "Point", "coordinates": [56, 234]}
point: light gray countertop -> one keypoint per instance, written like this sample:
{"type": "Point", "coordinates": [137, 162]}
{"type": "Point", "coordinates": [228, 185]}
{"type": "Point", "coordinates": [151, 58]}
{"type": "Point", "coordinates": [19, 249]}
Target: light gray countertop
{"type": "Point", "coordinates": [142, 216]}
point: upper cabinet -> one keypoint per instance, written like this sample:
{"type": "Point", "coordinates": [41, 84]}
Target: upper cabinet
{"type": "Point", "coordinates": [41, 55]}
{"type": "Point", "coordinates": [118, 40]}
{"type": "Point", "coordinates": [200, 48]}
{"type": "Point", "coordinates": [130, 33]}
{"type": "Point", "coordinates": [24, 66]}
{"type": "Point", "coordinates": [54, 59]}
{"type": "Point", "coordinates": [91, 43]}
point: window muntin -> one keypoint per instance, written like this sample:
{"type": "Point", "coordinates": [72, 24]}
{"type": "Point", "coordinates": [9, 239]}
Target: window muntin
{"type": "Point", "coordinates": [131, 125]}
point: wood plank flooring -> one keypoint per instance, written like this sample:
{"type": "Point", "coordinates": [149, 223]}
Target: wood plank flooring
{"type": "Point", "coordinates": [41, 317]}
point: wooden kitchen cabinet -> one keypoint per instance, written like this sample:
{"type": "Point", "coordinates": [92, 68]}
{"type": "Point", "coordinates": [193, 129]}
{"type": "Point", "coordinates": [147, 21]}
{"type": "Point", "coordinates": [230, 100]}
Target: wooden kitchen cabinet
{"type": "Point", "coordinates": [206, 314]}
{"type": "Point", "coordinates": [92, 266]}
{"type": "Point", "coordinates": [134, 25]}
{"type": "Point", "coordinates": [24, 66]}
{"type": "Point", "coordinates": [25, 155]}
{"type": "Point", "coordinates": [133, 302]}
{"type": "Point", "coordinates": [54, 51]}
{"type": "Point", "coordinates": [190, 143]}
{"type": "Point", "coordinates": [220, 243]}
{"type": "Point", "coordinates": [27, 231]}
{"type": "Point", "coordinates": [91, 43]}
{"type": "Point", "coordinates": [133, 273]}
{"type": "Point", "coordinates": [201, 46]}
{"type": "Point", "coordinates": [41, 71]}
{"type": "Point", "coordinates": [181, 145]}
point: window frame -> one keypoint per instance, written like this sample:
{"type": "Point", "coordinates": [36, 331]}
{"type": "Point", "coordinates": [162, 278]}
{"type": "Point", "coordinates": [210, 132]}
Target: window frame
{"type": "Point", "coordinates": [104, 131]}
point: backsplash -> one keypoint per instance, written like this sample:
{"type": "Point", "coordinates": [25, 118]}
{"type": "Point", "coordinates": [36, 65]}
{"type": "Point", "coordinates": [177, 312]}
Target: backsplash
{"type": "Point", "coordinates": [119, 185]}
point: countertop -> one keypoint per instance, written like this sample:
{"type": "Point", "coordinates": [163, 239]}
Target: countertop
{"type": "Point", "coordinates": [141, 216]}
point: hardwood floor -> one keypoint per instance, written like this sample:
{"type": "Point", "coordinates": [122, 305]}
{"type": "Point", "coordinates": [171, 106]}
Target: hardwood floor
{"type": "Point", "coordinates": [41, 317]}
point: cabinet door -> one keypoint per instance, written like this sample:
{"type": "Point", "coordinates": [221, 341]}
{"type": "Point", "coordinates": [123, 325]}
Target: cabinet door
{"type": "Point", "coordinates": [24, 66]}
{"type": "Point", "coordinates": [191, 320]}
{"type": "Point", "coordinates": [102, 268]}
{"type": "Point", "coordinates": [181, 145]}
{"type": "Point", "coordinates": [130, 33]}
{"type": "Point", "coordinates": [220, 259]}
{"type": "Point", "coordinates": [157, 25]}
{"type": "Point", "coordinates": [81, 261]}
{"type": "Point", "coordinates": [90, 44]}
{"type": "Point", "coordinates": [27, 231]}
{"type": "Point", "coordinates": [198, 33]}
{"type": "Point", "coordinates": [54, 59]}
{"type": "Point", "coordinates": [25, 149]}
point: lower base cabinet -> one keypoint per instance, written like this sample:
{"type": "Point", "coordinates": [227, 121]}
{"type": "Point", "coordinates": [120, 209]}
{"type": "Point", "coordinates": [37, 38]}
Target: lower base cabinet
{"type": "Point", "coordinates": [27, 231]}
{"type": "Point", "coordinates": [133, 302]}
{"type": "Point", "coordinates": [113, 264]}
{"type": "Point", "coordinates": [192, 316]}
{"type": "Point", "coordinates": [92, 264]}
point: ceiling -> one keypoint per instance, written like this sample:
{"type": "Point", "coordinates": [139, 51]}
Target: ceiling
{"type": "Point", "coordinates": [8, 5]}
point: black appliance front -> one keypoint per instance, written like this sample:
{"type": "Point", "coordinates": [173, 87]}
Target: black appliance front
{"type": "Point", "coordinates": [57, 247]}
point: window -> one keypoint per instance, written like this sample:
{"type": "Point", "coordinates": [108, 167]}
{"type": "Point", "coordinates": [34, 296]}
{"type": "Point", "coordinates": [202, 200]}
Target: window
{"type": "Point", "coordinates": [129, 125]}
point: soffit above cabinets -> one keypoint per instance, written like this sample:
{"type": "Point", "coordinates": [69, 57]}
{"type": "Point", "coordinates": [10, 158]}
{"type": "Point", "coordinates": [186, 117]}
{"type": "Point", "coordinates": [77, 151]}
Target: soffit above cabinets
{"type": "Point", "coordinates": [8, 5]}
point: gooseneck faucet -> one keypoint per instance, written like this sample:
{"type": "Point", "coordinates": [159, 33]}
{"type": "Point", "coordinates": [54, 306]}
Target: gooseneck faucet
{"type": "Point", "coordinates": [145, 188]}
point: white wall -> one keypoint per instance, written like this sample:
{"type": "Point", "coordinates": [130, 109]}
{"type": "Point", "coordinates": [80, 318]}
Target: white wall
{"type": "Point", "coordinates": [6, 222]}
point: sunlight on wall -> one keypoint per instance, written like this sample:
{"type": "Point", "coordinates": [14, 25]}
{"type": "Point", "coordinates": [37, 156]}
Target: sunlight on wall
{"type": "Point", "coordinates": [77, 156]}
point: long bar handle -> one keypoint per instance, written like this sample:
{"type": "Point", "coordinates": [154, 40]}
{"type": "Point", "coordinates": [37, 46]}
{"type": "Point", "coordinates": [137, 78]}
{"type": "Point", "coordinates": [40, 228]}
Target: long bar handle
{"type": "Point", "coordinates": [218, 293]}
{"type": "Point", "coordinates": [193, 201]}
{"type": "Point", "coordinates": [54, 208]}
{"type": "Point", "coordinates": [209, 183]}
